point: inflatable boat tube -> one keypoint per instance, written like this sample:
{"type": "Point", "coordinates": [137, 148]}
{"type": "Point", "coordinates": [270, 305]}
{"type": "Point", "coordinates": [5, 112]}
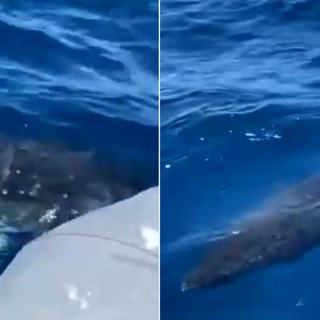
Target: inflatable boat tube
{"type": "Point", "coordinates": [102, 266]}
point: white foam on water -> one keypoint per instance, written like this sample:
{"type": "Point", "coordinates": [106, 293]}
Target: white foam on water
{"type": "Point", "coordinates": [4, 241]}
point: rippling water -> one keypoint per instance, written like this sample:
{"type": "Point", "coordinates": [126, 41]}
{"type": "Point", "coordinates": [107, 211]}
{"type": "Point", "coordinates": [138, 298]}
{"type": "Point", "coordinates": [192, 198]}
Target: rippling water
{"type": "Point", "coordinates": [240, 118]}
{"type": "Point", "coordinates": [85, 72]}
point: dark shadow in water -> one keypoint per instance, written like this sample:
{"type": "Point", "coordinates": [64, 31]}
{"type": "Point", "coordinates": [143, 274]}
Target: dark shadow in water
{"type": "Point", "coordinates": [10, 244]}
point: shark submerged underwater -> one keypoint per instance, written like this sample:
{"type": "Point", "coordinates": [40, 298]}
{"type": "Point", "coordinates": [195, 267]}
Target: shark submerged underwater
{"type": "Point", "coordinates": [43, 185]}
{"type": "Point", "coordinates": [283, 231]}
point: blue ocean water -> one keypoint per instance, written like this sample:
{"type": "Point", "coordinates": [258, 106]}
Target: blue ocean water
{"type": "Point", "coordinates": [83, 73]}
{"type": "Point", "coordinates": [240, 118]}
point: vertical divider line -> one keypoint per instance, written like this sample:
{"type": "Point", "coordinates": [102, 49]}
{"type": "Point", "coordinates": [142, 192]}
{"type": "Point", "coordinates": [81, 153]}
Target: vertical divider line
{"type": "Point", "coordinates": [159, 155]}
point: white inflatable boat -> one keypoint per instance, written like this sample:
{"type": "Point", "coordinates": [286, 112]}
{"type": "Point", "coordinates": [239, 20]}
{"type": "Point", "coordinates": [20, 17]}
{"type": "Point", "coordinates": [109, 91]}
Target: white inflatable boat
{"type": "Point", "coordinates": [101, 266]}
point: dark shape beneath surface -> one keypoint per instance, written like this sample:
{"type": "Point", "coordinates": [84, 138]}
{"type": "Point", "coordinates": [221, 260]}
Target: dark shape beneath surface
{"type": "Point", "coordinates": [284, 231]}
{"type": "Point", "coordinates": [43, 185]}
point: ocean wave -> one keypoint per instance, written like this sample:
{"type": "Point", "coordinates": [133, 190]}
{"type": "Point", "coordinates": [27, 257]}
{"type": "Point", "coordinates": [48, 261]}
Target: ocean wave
{"type": "Point", "coordinates": [242, 59]}
{"type": "Point", "coordinates": [71, 56]}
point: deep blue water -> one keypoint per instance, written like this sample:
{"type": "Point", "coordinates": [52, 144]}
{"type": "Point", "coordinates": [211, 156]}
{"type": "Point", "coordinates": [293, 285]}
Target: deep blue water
{"type": "Point", "coordinates": [84, 73]}
{"type": "Point", "coordinates": [240, 117]}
